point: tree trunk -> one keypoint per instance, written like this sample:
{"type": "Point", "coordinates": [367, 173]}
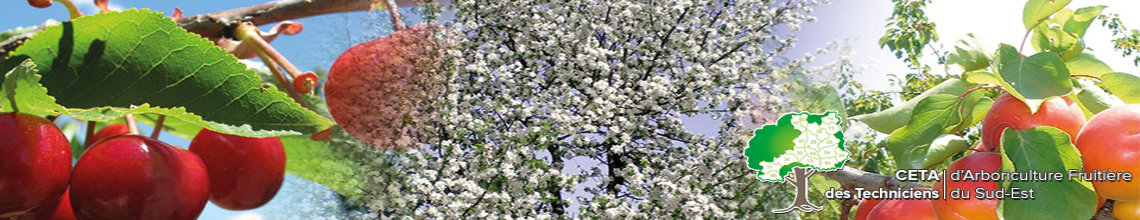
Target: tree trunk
{"type": "Point", "coordinates": [799, 179]}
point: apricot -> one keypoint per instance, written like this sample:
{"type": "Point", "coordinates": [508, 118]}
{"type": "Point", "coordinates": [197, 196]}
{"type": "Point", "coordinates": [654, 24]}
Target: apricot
{"type": "Point", "coordinates": [1110, 142]}
{"type": "Point", "coordinates": [970, 208]}
{"type": "Point", "coordinates": [1010, 112]}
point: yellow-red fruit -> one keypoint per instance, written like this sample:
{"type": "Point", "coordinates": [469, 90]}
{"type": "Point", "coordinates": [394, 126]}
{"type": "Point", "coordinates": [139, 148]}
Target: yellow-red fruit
{"type": "Point", "coordinates": [1110, 141]}
{"type": "Point", "coordinates": [380, 90]}
{"type": "Point", "coordinates": [970, 208]}
{"type": "Point", "coordinates": [1126, 210]}
{"type": "Point", "coordinates": [917, 209]}
{"type": "Point", "coordinates": [865, 208]}
{"type": "Point", "coordinates": [1010, 112]}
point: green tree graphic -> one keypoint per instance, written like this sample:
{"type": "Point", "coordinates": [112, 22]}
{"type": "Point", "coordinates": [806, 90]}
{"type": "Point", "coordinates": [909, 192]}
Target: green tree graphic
{"type": "Point", "coordinates": [798, 144]}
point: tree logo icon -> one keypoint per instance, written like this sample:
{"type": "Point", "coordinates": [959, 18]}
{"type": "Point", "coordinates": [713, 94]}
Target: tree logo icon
{"type": "Point", "coordinates": [794, 148]}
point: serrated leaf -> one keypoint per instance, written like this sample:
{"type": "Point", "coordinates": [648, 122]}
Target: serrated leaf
{"type": "Point", "coordinates": [1034, 79]}
{"type": "Point", "coordinates": [1044, 149]}
{"type": "Point", "coordinates": [22, 92]}
{"type": "Point", "coordinates": [1036, 11]}
{"type": "Point", "coordinates": [1087, 64]}
{"type": "Point", "coordinates": [1123, 85]}
{"type": "Point", "coordinates": [933, 116]}
{"type": "Point", "coordinates": [942, 148]}
{"type": "Point", "coordinates": [315, 161]}
{"type": "Point", "coordinates": [138, 57]}
{"type": "Point", "coordinates": [970, 54]}
{"type": "Point", "coordinates": [977, 114]}
{"type": "Point", "coordinates": [1092, 98]}
{"type": "Point", "coordinates": [1054, 39]}
{"type": "Point", "coordinates": [888, 120]}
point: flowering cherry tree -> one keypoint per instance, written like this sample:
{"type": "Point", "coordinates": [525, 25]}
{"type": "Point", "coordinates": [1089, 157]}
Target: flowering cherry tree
{"type": "Point", "coordinates": [576, 109]}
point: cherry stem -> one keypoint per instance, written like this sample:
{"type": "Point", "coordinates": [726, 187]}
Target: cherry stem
{"type": "Point", "coordinates": [394, 10]}
{"type": "Point", "coordinates": [90, 133]}
{"type": "Point", "coordinates": [71, 9]}
{"type": "Point", "coordinates": [132, 128]}
{"type": "Point", "coordinates": [1085, 76]}
{"type": "Point", "coordinates": [980, 87]}
{"type": "Point", "coordinates": [157, 127]}
{"type": "Point", "coordinates": [273, 67]}
{"type": "Point", "coordinates": [246, 32]}
{"type": "Point", "coordinates": [1023, 38]}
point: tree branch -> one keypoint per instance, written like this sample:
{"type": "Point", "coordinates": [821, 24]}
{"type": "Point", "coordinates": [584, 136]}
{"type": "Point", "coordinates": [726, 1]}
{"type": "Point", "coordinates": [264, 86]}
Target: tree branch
{"type": "Point", "coordinates": [221, 24]}
{"type": "Point", "coordinates": [851, 178]}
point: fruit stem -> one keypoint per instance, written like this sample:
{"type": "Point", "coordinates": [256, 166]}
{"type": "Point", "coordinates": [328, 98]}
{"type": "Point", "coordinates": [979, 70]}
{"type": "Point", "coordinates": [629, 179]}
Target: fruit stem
{"type": "Point", "coordinates": [273, 67]}
{"type": "Point", "coordinates": [157, 127]}
{"type": "Point", "coordinates": [90, 133]}
{"type": "Point", "coordinates": [394, 10]}
{"type": "Point", "coordinates": [71, 9]}
{"type": "Point", "coordinates": [132, 128]}
{"type": "Point", "coordinates": [246, 32]}
{"type": "Point", "coordinates": [981, 87]}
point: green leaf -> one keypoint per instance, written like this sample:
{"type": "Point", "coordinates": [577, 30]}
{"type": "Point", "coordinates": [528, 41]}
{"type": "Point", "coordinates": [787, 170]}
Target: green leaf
{"type": "Point", "coordinates": [970, 54]}
{"type": "Point", "coordinates": [1092, 98]}
{"type": "Point", "coordinates": [317, 162]}
{"type": "Point", "coordinates": [888, 120]}
{"type": "Point", "coordinates": [981, 77]}
{"type": "Point", "coordinates": [1032, 79]}
{"type": "Point", "coordinates": [1079, 22]}
{"type": "Point", "coordinates": [22, 92]}
{"type": "Point", "coordinates": [1036, 11]}
{"type": "Point", "coordinates": [933, 116]}
{"type": "Point", "coordinates": [942, 148]}
{"type": "Point", "coordinates": [1123, 85]}
{"type": "Point", "coordinates": [177, 127]}
{"type": "Point", "coordinates": [140, 58]}
{"type": "Point", "coordinates": [1044, 149]}
{"type": "Point", "coordinates": [1087, 64]}
{"type": "Point", "coordinates": [1051, 38]}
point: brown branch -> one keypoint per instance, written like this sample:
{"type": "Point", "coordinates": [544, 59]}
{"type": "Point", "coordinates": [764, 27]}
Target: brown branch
{"type": "Point", "coordinates": [221, 24]}
{"type": "Point", "coordinates": [852, 178]}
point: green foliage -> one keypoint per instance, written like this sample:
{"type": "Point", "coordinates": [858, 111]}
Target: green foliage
{"type": "Point", "coordinates": [886, 121]}
{"type": "Point", "coordinates": [1036, 11]}
{"type": "Point", "coordinates": [1123, 85]}
{"type": "Point", "coordinates": [909, 32]}
{"type": "Point", "coordinates": [318, 162]}
{"type": "Point", "coordinates": [105, 65]}
{"type": "Point", "coordinates": [1127, 40]}
{"type": "Point", "coordinates": [970, 54]}
{"type": "Point", "coordinates": [1044, 149]}
{"type": "Point", "coordinates": [932, 116]}
{"type": "Point", "coordinates": [1032, 79]}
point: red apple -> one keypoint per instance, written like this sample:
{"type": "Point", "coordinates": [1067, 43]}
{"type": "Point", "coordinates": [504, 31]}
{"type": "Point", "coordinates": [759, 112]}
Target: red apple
{"type": "Point", "coordinates": [865, 208]}
{"type": "Point", "coordinates": [970, 208]}
{"type": "Point", "coordinates": [245, 173]}
{"type": "Point", "coordinates": [135, 177]}
{"type": "Point", "coordinates": [108, 131]}
{"type": "Point", "coordinates": [1009, 112]}
{"type": "Point", "coordinates": [916, 209]}
{"type": "Point", "coordinates": [378, 89]}
{"type": "Point", "coordinates": [35, 160]}
{"type": "Point", "coordinates": [1110, 141]}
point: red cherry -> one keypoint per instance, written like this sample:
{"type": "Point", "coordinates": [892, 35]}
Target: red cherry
{"type": "Point", "coordinates": [35, 160]}
{"type": "Point", "coordinates": [135, 177]}
{"type": "Point", "coordinates": [245, 173]}
{"type": "Point", "coordinates": [108, 131]}
{"type": "Point", "coordinates": [40, 3]}
{"type": "Point", "coordinates": [56, 209]}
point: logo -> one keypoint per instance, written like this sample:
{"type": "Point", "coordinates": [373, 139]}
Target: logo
{"type": "Point", "coordinates": [794, 148]}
